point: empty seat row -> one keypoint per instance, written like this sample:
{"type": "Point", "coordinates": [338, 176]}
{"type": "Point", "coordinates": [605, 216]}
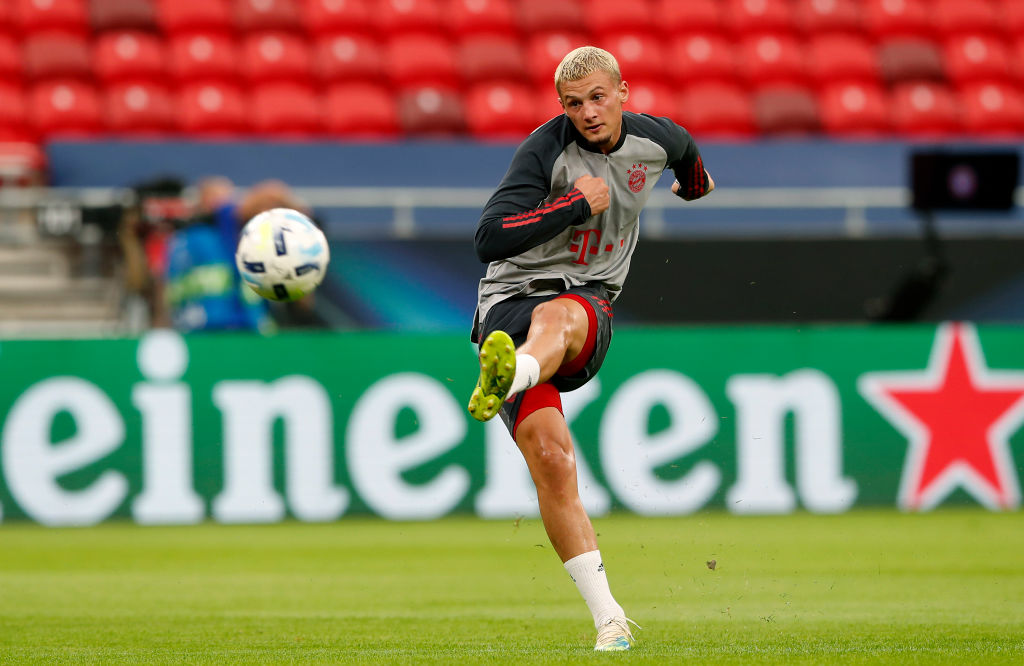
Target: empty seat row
{"type": "Point", "coordinates": [62, 107]}
{"type": "Point", "coordinates": [265, 56]}
{"type": "Point", "coordinates": [844, 109]}
{"type": "Point", "coordinates": [498, 110]}
{"type": "Point", "coordinates": [879, 17]}
{"type": "Point", "coordinates": [771, 58]}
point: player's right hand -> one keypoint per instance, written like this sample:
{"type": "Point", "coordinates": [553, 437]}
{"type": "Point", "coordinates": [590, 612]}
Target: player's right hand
{"type": "Point", "coordinates": [595, 191]}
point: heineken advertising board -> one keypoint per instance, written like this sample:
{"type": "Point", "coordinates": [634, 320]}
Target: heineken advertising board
{"type": "Point", "coordinates": [172, 429]}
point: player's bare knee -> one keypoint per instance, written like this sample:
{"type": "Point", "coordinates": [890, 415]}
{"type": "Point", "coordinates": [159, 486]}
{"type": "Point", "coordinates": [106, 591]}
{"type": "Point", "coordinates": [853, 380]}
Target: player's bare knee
{"type": "Point", "coordinates": [553, 464]}
{"type": "Point", "coordinates": [554, 316]}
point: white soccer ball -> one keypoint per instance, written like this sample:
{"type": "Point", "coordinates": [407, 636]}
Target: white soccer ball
{"type": "Point", "coordinates": [282, 255]}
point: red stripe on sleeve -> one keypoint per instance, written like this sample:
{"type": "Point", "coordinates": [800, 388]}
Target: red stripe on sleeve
{"type": "Point", "coordinates": [532, 216]}
{"type": "Point", "coordinates": [698, 182]}
{"type": "Point", "coordinates": [571, 197]}
{"type": "Point", "coordinates": [531, 220]}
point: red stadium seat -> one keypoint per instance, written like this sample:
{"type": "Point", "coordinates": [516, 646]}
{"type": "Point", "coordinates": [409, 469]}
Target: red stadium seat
{"type": "Point", "coordinates": [1011, 16]}
{"type": "Point", "coordinates": [758, 16]}
{"type": "Point", "coordinates": [840, 57]}
{"type": "Point", "coordinates": [953, 17]}
{"type": "Point", "coordinates": [361, 109]}
{"type": "Point", "coordinates": [976, 57]}
{"type": "Point", "coordinates": [46, 15]}
{"type": "Point", "coordinates": [674, 17]}
{"type": "Point", "coordinates": [545, 51]}
{"type": "Point", "coordinates": [820, 17]}
{"type": "Point", "coordinates": [399, 17]}
{"type": "Point", "coordinates": [178, 16]}
{"type": "Point", "coordinates": [500, 111]}
{"type": "Point", "coordinates": [13, 110]}
{"type": "Point", "coordinates": [652, 97]}
{"type": "Point", "coordinates": [993, 108]}
{"type": "Point", "coordinates": [786, 110]}
{"type": "Point", "coordinates": [348, 57]}
{"type": "Point", "coordinates": [267, 15]}
{"type": "Point", "coordinates": [545, 105]}
{"type": "Point", "coordinates": [491, 57]}
{"type": "Point", "coordinates": [133, 108]}
{"type": "Point", "coordinates": [275, 56]}
{"type": "Point", "coordinates": [122, 15]}
{"type": "Point", "coordinates": [481, 17]}
{"type": "Point", "coordinates": [924, 108]}
{"type": "Point", "coordinates": [640, 56]}
{"type": "Point", "coordinates": [329, 17]}
{"type": "Point", "coordinates": [8, 19]}
{"type": "Point", "coordinates": [614, 16]}
{"type": "Point", "coordinates": [771, 59]}
{"type": "Point", "coordinates": [10, 58]}
{"type": "Point", "coordinates": [124, 55]}
{"type": "Point", "coordinates": [430, 110]}
{"type": "Point", "coordinates": [202, 56]}
{"type": "Point", "coordinates": [702, 57]}
{"type": "Point", "coordinates": [212, 108]}
{"type": "Point", "coordinates": [65, 107]}
{"type": "Point", "coordinates": [421, 60]}
{"type": "Point", "coordinates": [716, 109]}
{"type": "Point", "coordinates": [910, 60]}
{"type": "Point", "coordinates": [56, 55]}
{"type": "Point", "coordinates": [886, 19]}
{"type": "Point", "coordinates": [538, 16]}
{"type": "Point", "coordinates": [853, 109]}
{"type": "Point", "coordinates": [286, 109]}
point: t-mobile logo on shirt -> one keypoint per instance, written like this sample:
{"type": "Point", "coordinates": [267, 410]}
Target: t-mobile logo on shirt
{"type": "Point", "coordinates": [586, 241]}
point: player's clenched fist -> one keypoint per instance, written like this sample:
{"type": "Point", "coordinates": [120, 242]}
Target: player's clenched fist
{"type": "Point", "coordinates": [595, 191]}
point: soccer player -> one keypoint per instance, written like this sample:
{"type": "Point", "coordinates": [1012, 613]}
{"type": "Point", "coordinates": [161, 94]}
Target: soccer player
{"type": "Point", "coordinates": [558, 234]}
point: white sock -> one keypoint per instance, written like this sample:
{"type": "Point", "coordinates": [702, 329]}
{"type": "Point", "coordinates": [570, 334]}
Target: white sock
{"type": "Point", "coordinates": [587, 571]}
{"type": "Point", "coordinates": [527, 374]}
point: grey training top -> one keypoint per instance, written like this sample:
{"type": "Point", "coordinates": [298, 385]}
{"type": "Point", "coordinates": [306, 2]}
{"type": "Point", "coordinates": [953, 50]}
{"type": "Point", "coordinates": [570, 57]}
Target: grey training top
{"type": "Point", "coordinates": [537, 231]}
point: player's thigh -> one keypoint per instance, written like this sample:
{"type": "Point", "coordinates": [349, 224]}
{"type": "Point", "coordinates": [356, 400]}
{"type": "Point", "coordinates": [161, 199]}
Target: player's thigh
{"type": "Point", "coordinates": [585, 365]}
{"type": "Point", "coordinates": [565, 312]}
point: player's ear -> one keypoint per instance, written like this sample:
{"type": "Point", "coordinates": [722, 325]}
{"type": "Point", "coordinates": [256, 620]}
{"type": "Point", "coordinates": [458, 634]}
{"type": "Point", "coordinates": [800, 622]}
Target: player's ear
{"type": "Point", "coordinates": [623, 91]}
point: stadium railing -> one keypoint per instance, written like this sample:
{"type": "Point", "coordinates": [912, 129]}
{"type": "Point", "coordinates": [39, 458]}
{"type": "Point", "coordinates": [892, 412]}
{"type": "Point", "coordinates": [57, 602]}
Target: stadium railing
{"type": "Point", "coordinates": [406, 212]}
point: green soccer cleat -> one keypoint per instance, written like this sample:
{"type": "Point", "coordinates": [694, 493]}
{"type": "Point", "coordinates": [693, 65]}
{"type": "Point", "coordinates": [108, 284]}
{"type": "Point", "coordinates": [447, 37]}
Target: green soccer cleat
{"type": "Point", "coordinates": [615, 635]}
{"type": "Point", "coordinates": [497, 370]}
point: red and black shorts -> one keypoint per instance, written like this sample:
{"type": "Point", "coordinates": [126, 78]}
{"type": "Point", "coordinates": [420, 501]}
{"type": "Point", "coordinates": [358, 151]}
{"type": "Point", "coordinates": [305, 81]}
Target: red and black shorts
{"type": "Point", "coordinates": [513, 316]}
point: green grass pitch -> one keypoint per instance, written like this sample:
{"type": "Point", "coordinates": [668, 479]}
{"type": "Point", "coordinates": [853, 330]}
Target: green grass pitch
{"type": "Point", "coordinates": [866, 587]}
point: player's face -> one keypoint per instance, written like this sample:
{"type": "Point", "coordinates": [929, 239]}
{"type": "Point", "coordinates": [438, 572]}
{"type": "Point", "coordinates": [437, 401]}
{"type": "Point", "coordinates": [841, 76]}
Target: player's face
{"type": "Point", "coordinates": [594, 105]}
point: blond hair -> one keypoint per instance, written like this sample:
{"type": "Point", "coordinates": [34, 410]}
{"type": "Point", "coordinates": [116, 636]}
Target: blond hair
{"type": "Point", "coordinates": [584, 61]}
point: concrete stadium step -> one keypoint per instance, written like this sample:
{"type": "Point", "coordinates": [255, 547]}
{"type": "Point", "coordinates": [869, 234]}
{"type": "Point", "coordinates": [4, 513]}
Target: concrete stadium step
{"type": "Point", "coordinates": [41, 297]}
{"type": "Point", "coordinates": [63, 328]}
{"type": "Point", "coordinates": [57, 290]}
{"type": "Point", "coordinates": [32, 262]}
{"type": "Point", "coordinates": [33, 311]}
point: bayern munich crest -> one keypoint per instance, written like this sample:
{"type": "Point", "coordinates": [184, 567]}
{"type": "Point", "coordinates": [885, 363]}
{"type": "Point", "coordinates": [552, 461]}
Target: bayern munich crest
{"type": "Point", "coordinates": [637, 177]}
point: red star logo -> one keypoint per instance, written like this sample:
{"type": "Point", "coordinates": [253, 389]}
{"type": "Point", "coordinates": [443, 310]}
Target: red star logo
{"type": "Point", "coordinates": [958, 417]}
